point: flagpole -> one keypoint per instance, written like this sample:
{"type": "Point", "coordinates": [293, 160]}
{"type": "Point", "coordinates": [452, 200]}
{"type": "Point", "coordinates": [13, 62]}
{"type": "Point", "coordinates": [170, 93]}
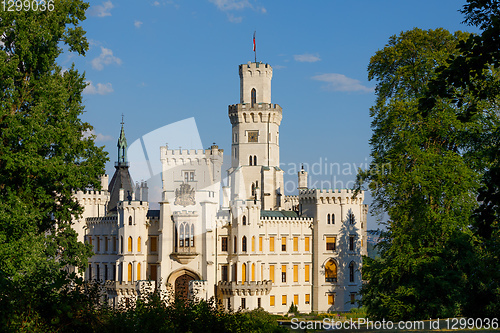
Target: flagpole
{"type": "Point", "coordinates": [254, 47]}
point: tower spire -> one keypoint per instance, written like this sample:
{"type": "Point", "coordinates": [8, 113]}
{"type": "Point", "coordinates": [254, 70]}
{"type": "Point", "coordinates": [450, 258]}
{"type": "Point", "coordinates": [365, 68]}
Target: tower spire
{"type": "Point", "coordinates": [122, 146]}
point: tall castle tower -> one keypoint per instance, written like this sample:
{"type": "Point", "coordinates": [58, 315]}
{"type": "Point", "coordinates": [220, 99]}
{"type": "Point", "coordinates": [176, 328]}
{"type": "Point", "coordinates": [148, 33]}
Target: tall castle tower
{"type": "Point", "coordinates": [255, 139]}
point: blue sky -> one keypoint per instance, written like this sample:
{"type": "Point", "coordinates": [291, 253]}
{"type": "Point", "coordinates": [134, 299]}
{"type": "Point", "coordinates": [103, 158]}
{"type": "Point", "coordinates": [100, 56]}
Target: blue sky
{"type": "Point", "coordinates": [159, 62]}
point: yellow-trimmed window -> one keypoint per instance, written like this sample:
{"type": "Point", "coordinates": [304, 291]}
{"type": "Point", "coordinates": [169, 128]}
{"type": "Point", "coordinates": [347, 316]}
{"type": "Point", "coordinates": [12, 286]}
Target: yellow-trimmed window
{"type": "Point", "coordinates": [253, 272]}
{"type": "Point", "coordinates": [139, 244]}
{"type": "Point", "coordinates": [138, 271]}
{"type": "Point", "coordinates": [243, 273]}
{"type": "Point", "coordinates": [129, 272]}
{"type": "Point", "coordinates": [307, 244]}
{"type": "Point", "coordinates": [331, 299]}
{"type": "Point", "coordinates": [130, 244]}
{"type": "Point", "coordinates": [271, 244]}
{"type": "Point", "coordinates": [283, 300]}
{"type": "Point", "coordinates": [307, 273]}
{"type": "Point", "coordinates": [308, 298]}
{"type": "Point", "coordinates": [253, 243]}
{"type": "Point", "coordinates": [295, 274]}
{"type": "Point", "coordinates": [271, 273]}
{"type": "Point", "coordinates": [295, 299]}
{"type": "Point", "coordinates": [330, 243]}
{"type": "Point", "coordinates": [283, 243]}
{"type": "Point", "coordinates": [295, 244]}
{"type": "Point", "coordinates": [260, 243]}
{"type": "Point", "coordinates": [272, 300]}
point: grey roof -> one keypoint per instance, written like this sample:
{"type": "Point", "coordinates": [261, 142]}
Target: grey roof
{"type": "Point", "coordinates": [121, 179]}
{"type": "Point", "coordinates": [278, 213]}
{"type": "Point", "coordinates": [153, 213]}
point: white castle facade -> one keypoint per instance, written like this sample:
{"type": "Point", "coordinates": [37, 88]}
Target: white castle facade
{"type": "Point", "coordinates": [249, 246]}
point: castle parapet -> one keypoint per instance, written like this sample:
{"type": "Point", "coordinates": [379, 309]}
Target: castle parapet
{"type": "Point", "coordinates": [248, 288]}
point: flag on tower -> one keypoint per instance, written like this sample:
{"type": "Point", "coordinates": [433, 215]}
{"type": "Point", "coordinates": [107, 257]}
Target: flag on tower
{"type": "Point", "coordinates": [254, 41]}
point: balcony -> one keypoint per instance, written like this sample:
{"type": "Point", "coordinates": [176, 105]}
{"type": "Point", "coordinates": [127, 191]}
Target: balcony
{"type": "Point", "coordinates": [184, 254]}
{"type": "Point", "coordinates": [233, 288]}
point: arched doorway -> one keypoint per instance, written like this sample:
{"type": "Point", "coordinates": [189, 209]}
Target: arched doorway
{"type": "Point", "coordinates": [179, 280]}
{"type": "Point", "coordinates": [182, 286]}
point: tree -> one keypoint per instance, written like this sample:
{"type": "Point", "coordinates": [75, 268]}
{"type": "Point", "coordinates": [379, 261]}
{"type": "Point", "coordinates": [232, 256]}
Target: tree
{"type": "Point", "coordinates": [471, 80]}
{"type": "Point", "coordinates": [44, 157]}
{"type": "Point", "coordinates": [429, 191]}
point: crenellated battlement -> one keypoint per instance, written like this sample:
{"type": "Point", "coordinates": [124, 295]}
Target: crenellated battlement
{"type": "Point", "coordinates": [255, 69]}
{"type": "Point", "coordinates": [259, 113]}
{"type": "Point", "coordinates": [286, 219]}
{"type": "Point", "coordinates": [327, 196]}
{"type": "Point", "coordinates": [198, 156]}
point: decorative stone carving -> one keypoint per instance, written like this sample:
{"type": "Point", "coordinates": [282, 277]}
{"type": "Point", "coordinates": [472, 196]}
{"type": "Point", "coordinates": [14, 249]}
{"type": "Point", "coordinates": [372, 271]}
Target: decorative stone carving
{"type": "Point", "coordinates": [185, 195]}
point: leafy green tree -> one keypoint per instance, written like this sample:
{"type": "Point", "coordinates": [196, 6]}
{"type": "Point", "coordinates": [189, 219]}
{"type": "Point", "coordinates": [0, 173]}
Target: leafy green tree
{"type": "Point", "coordinates": [44, 156]}
{"type": "Point", "coordinates": [429, 191]}
{"type": "Point", "coordinates": [469, 81]}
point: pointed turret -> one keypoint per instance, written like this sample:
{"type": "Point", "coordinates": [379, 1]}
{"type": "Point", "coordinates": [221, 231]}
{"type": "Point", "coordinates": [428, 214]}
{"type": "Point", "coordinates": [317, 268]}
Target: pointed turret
{"type": "Point", "coordinates": [121, 179]}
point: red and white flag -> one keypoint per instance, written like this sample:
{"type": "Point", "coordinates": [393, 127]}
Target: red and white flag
{"type": "Point", "coordinates": [254, 41]}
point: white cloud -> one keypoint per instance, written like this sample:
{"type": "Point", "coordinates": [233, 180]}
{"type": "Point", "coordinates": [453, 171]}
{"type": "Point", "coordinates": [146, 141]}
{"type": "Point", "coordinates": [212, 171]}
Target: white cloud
{"type": "Point", "coordinates": [105, 58]}
{"type": "Point", "coordinates": [156, 3]}
{"type": "Point", "coordinates": [99, 137]}
{"type": "Point", "coordinates": [234, 19]}
{"type": "Point", "coordinates": [231, 5]}
{"type": "Point", "coordinates": [306, 57]}
{"type": "Point", "coordinates": [137, 24]}
{"type": "Point", "coordinates": [102, 10]}
{"type": "Point", "coordinates": [340, 82]}
{"type": "Point", "coordinates": [99, 89]}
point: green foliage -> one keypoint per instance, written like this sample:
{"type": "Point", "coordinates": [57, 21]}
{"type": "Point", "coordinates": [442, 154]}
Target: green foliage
{"type": "Point", "coordinates": [429, 190]}
{"type": "Point", "coordinates": [293, 309]}
{"type": "Point", "coordinates": [471, 81]}
{"type": "Point", "coordinates": [43, 158]}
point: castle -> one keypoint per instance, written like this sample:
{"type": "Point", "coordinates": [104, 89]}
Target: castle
{"type": "Point", "coordinates": [247, 244]}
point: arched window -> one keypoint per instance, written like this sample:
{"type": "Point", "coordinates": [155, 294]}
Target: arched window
{"type": "Point", "coordinates": [253, 189]}
{"type": "Point", "coordinates": [333, 218]}
{"type": "Point", "coordinates": [130, 220]}
{"type": "Point", "coordinates": [138, 271]}
{"type": "Point", "coordinates": [244, 273]}
{"type": "Point", "coordinates": [331, 271]}
{"type": "Point", "coordinates": [186, 234]}
{"type": "Point", "coordinates": [351, 271]}
{"type": "Point", "coordinates": [253, 243]}
{"type": "Point", "coordinates": [130, 244]}
{"type": "Point", "coordinates": [181, 235]}
{"type": "Point", "coordinates": [328, 218]}
{"type": "Point", "coordinates": [244, 220]}
{"type": "Point", "coordinates": [244, 244]}
{"type": "Point", "coordinates": [129, 272]}
{"type": "Point", "coordinates": [250, 160]}
{"type": "Point", "coordinates": [139, 244]}
{"type": "Point", "coordinates": [254, 96]}
{"type": "Point", "coordinates": [255, 160]}
{"type": "Point", "coordinates": [235, 245]}
{"type": "Point", "coordinates": [253, 272]}
{"type": "Point", "coordinates": [192, 235]}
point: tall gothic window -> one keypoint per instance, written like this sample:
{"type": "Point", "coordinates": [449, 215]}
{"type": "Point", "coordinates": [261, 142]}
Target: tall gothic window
{"type": "Point", "coordinates": [255, 160]}
{"type": "Point", "coordinates": [351, 271]}
{"type": "Point", "coordinates": [331, 271]}
{"type": "Point", "coordinates": [250, 160]}
{"type": "Point", "coordinates": [244, 244]}
{"type": "Point", "coordinates": [244, 220]}
{"type": "Point", "coordinates": [254, 97]}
